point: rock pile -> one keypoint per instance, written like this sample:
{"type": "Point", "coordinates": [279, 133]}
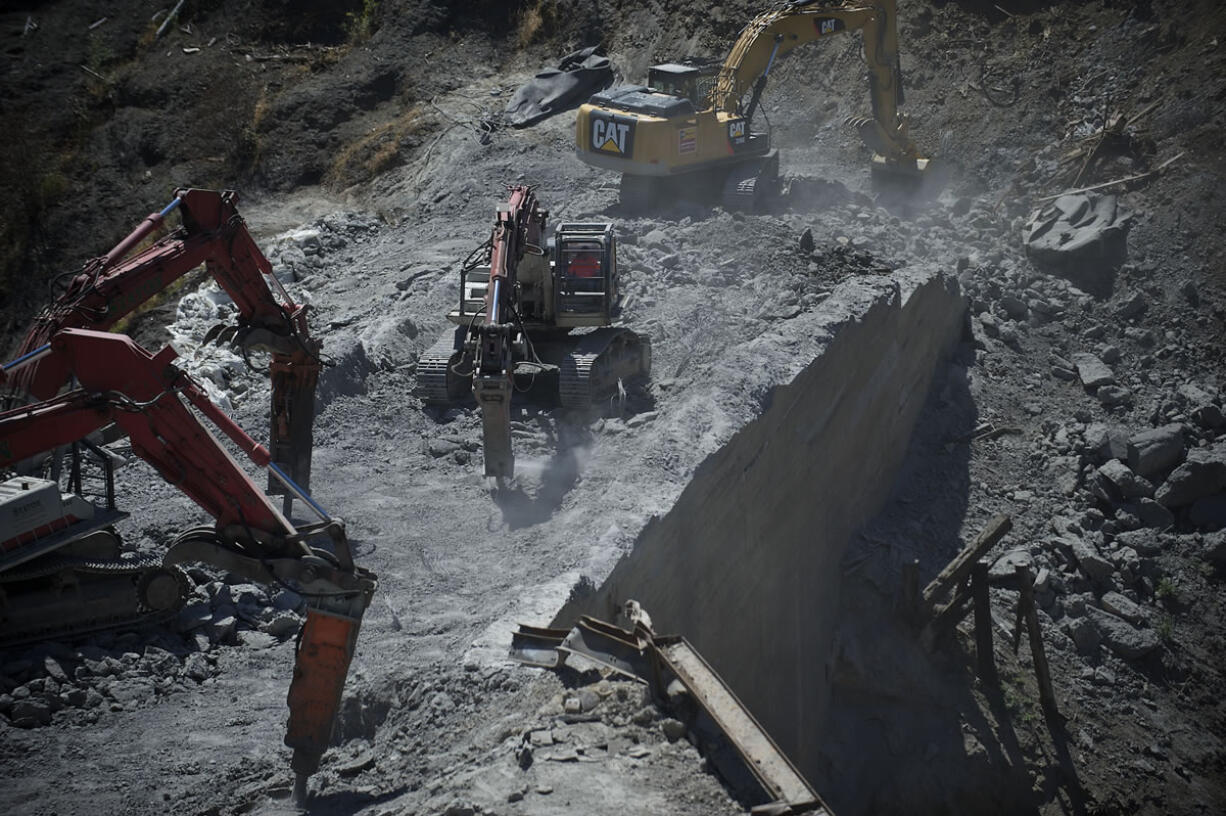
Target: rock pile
{"type": "Point", "coordinates": [1134, 474]}
{"type": "Point", "coordinates": [131, 670]}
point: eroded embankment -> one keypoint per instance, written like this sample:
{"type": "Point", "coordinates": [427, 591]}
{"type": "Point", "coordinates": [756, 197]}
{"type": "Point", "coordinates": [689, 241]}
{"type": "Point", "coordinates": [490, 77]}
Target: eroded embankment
{"type": "Point", "coordinates": [746, 563]}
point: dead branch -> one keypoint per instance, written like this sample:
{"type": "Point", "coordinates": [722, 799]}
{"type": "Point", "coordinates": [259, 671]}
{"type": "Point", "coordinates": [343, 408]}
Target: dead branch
{"type": "Point", "coordinates": [1124, 180]}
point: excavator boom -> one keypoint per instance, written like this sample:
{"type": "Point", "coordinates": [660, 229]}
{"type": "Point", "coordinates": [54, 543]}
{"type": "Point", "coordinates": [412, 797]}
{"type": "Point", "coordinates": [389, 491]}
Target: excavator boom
{"type": "Point", "coordinates": [109, 288]}
{"type": "Point", "coordinates": [123, 383]}
{"type": "Point", "coordinates": [519, 225]}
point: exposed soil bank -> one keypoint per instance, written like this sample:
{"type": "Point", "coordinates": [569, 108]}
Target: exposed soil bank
{"type": "Point", "coordinates": [763, 524]}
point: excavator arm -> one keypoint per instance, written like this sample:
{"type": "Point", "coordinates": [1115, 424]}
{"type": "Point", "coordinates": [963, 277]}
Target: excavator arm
{"type": "Point", "coordinates": [520, 227]}
{"type": "Point", "coordinates": [145, 395]}
{"type": "Point", "coordinates": [773, 34]}
{"type": "Point", "coordinates": [214, 234]}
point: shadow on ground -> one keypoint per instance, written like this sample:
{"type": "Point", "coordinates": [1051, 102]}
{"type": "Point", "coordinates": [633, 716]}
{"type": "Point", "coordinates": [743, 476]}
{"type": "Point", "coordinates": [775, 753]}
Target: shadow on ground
{"type": "Point", "coordinates": [912, 731]}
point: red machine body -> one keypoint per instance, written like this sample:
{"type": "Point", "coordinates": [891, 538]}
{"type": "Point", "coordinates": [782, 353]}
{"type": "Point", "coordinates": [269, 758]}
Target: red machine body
{"type": "Point", "coordinates": [123, 383]}
{"type": "Point", "coordinates": [120, 382]}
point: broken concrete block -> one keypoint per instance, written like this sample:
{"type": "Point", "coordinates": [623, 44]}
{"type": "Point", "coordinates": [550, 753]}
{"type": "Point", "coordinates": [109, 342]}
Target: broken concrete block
{"type": "Point", "coordinates": [31, 713]}
{"type": "Point", "coordinates": [1090, 561]}
{"type": "Point", "coordinates": [1157, 450]}
{"type": "Point", "coordinates": [1132, 307]}
{"type": "Point", "coordinates": [158, 661]}
{"type": "Point", "coordinates": [287, 600]}
{"type": "Point", "coordinates": [281, 626]}
{"type": "Point", "coordinates": [248, 595]}
{"type": "Point", "coordinates": [1214, 548]}
{"type": "Point", "coordinates": [1121, 637]}
{"type": "Point", "coordinates": [1208, 513]}
{"type": "Point", "coordinates": [656, 239]}
{"type": "Point", "coordinates": [1094, 373]}
{"type": "Point", "coordinates": [1154, 515]}
{"type": "Point", "coordinates": [1202, 474]}
{"type": "Point", "coordinates": [1015, 307]}
{"type": "Point", "coordinates": [673, 729]}
{"type": "Point", "coordinates": [194, 615]}
{"type": "Point", "coordinates": [1104, 442]}
{"type": "Point", "coordinates": [1113, 395]}
{"type": "Point", "coordinates": [54, 669]}
{"type": "Point", "coordinates": [1083, 236]}
{"type": "Point", "coordinates": [439, 448]}
{"type": "Point", "coordinates": [132, 693]}
{"type": "Point", "coordinates": [222, 629]}
{"type": "Point", "coordinates": [196, 666]}
{"type": "Point", "coordinates": [1145, 542]}
{"type": "Point", "coordinates": [1114, 481]}
{"type": "Point", "coordinates": [1003, 570]}
{"type": "Point", "coordinates": [1209, 416]}
{"type": "Point", "coordinates": [1121, 606]}
{"type": "Point", "coordinates": [1085, 635]}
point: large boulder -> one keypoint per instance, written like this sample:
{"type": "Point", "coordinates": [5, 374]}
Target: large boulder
{"type": "Point", "coordinates": [1156, 451]}
{"type": "Point", "coordinates": [1083, 236]}
{"type": "Point", "coordinates": [1121, 637]}
{"type": "Point", "coordinates": [1084, 634]}
{"type": "Point", "coordinates": [1202, 474]}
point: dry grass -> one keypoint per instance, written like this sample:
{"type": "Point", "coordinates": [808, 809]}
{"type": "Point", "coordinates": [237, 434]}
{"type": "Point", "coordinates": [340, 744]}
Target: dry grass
{"type": "Point", "coordinates": [361, 25]}
{"type": "Point", "coordinates": [377, 151]}
{"type": "Point", "coordinates": [537, 22]}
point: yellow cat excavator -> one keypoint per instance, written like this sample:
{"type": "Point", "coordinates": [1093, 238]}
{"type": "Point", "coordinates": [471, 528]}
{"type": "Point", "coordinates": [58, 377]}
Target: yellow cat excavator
{"type": "Point", "coordinates": [693, 124]}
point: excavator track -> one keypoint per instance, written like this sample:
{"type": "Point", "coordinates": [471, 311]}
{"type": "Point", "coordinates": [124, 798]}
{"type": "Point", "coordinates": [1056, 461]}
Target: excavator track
{"type": "Point", "coordinates": [749, 185]}
{"type": "Point", "coordinates": [601, 362]}
{"type": "Point", "coordinates": [59, 596]}
{"type": "Point", "coordinates": [437, 380]}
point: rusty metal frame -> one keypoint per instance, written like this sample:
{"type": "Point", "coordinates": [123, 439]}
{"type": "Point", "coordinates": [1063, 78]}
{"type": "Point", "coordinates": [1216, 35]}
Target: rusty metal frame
{"type": "Point", "coordinates": [682, 682]}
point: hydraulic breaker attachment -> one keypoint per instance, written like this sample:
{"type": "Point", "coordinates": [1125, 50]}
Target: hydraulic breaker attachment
{"type": "Point", "coordinates": [325, 648]}
{"type": "Point", "coordinates": [494, 396]}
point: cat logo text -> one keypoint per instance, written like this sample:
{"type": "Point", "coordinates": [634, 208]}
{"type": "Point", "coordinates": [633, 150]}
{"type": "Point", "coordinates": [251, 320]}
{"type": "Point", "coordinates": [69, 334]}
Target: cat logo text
{"type": "Point", "coordinates": [613, 134]}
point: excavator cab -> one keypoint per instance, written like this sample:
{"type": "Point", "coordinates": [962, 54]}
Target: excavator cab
{"type": "Point", "coordinates": [674, 80]}
{"type": "Point", "coordinates": [585, 274]}
{"type": "Point", "coordinates": [692, 82]}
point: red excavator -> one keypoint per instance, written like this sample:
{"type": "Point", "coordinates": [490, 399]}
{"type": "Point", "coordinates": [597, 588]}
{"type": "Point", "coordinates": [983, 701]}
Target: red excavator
{"type": "Point", "coordinates": [53, 556]}
{"type": "Point", "coordinates": [532, 308]}
{"type": "Point", "coordinates": [109, 288]}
